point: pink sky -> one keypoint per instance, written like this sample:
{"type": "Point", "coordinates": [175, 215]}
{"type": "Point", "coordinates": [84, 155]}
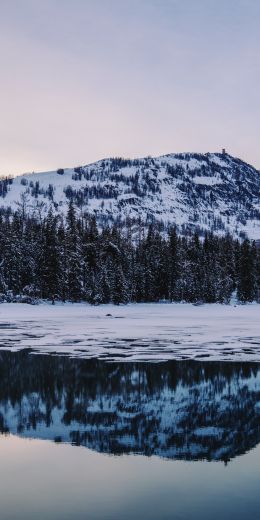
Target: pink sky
{"type": "Point", "coordinates": [84, 79]}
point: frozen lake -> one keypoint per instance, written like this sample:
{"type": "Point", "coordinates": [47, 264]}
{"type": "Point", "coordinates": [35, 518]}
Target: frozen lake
{"type": "Point", "coordinates": [138, 411]}
{"type": "Point", "coordinates": [141, 332]}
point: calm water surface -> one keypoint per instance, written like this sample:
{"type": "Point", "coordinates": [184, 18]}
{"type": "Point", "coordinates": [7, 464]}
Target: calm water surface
{"type": "Point", "coordinates": [84, 439]}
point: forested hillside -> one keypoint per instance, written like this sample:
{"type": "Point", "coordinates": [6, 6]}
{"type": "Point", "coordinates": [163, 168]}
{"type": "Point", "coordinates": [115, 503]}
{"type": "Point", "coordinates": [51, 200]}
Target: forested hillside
{"type": "Point", "coordinates": [194, 192]}
{"type": "Point", "coordinates": [70, 258]}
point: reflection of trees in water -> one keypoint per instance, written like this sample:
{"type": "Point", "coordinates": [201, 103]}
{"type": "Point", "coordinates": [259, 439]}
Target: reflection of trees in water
{"type": "Point", "coordinates": [187, 410]}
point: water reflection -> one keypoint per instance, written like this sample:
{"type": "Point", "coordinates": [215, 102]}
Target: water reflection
{"type": "Point", "coordinates": [179, 410]}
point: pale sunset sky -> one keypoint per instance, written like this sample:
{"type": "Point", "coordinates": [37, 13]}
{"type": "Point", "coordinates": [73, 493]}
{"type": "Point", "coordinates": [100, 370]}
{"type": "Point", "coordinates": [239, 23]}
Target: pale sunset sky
{"type": "Point", "coordinates": [86, 79]}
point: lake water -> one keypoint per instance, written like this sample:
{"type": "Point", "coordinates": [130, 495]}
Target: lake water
{"type": "Point", "coordinates": [85, 439]}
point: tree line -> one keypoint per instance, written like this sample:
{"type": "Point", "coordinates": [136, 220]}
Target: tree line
{"type": "Point", "coordinates": [70, 259]}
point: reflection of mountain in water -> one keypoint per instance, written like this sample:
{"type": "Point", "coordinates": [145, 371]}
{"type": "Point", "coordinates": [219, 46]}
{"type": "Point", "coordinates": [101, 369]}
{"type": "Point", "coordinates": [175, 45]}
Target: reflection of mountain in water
{"type": "Point", "coordinates": [184, 410]}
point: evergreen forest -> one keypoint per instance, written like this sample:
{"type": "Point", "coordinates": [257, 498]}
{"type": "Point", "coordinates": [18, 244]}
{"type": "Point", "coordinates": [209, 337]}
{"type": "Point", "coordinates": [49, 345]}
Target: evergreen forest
{"type": "Point", "coordinates": [72, 259]}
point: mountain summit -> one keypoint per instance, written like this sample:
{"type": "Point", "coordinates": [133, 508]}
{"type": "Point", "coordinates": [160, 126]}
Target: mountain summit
{"type": "Point", "coordinates": [212, 191]}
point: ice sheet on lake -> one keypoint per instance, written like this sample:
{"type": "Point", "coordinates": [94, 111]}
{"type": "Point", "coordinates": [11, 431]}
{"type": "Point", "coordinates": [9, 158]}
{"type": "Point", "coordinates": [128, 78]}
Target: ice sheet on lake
{"type": "Point", "coordinates": [141, 332]}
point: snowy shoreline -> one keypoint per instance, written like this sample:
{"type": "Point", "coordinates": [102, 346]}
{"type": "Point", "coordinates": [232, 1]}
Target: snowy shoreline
{"type": "Point", "coordinates": [134, 332]}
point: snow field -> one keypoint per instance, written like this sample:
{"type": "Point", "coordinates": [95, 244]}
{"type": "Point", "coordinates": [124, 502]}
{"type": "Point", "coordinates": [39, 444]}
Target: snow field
{"type": "Point", "coordinates": [143, 332]}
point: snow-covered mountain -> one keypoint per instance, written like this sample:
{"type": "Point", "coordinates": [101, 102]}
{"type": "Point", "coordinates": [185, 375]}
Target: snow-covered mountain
{"type": "Point", "coordinates": [209, 191]}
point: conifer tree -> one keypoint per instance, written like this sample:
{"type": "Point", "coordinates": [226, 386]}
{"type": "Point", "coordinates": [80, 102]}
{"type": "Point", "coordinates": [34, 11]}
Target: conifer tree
{"type": "Point", "coordinates": [247, 273]}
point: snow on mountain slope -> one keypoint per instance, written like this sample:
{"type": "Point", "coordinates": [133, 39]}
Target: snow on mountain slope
{"type": "Point", "coordinates": [207, 191]}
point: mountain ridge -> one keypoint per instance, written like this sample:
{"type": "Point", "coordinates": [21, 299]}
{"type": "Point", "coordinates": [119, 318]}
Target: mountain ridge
{"type": "Point", "coordinates": [208, 192]}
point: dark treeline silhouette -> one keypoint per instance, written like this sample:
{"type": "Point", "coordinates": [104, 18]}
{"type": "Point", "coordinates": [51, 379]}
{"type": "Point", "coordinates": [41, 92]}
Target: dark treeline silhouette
{"type": "Point", "coordinates": [68, 258]}
{"type": "Point", "coordinates": [184, 410]}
